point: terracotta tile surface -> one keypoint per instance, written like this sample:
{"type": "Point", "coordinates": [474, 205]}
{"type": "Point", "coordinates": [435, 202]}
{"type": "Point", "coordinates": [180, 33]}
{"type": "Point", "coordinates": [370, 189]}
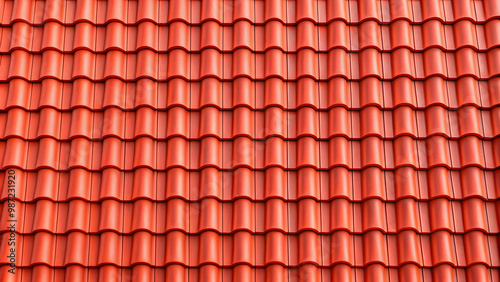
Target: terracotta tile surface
{"type": "Point", "coordinates": [251, 140]}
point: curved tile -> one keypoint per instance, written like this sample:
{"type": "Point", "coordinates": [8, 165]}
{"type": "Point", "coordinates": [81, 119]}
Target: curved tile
{"type": "Point", "coordinates": [441, 247]}
{"type": "Point", "coordinates": [243, 35]}
{"type": "Point", "coordinates": [439, 183]}
{"type": "Point", "coordinates": [371, 122]}
{"type": "Point", "coordinates": [307, 153]}
{"type": "Point", "coordinates": [473, 215]}
{"type": "Point", "coordinates": [370, 63]}
{"type": "Point", "coordinates": [371, 152]}
{"type": "Point", "coordinates": [179, 11]}
{"type": "Point", "coordinates": [464, 34]}
{"type": "Point", "coordinates": [470, 149]}
{"type": "Point", "coordinates": [339, 153]}
{"type": "Point", "coordinates": [332, 222]}
{"type": "Point", "coordinates": [306, 32]}
{"type": "Point", "coordinates": [20, 36]}
{"type": "Point", "coordinates": [477, 271]}
{"type": "Point", "coordinates": [373, 212]}
{"type": "Point", "coordinates": [401, 33]}
{"type": "Point", "coordinates": [404, 123]}
{"type": "Point", "coordinates": [274, 10]}
{"type": "Point", "coordinates": [491, 38]}
{"type": "Point", "coordinates": [179, 35]}
{"type": "Point", "coordinates": [376, 253]}
{"type": "Point", "coordinates": [445, 221]}
{"type": "Point", "coordinates": [434, 63]}
{"type": "Point", "coordinates": [274, 152]}
{"type": "Point", "coordinates": [369, 35]}
{"type": "Point", "coordinates": [72, 210]}
{"type": "Point", "coordinates": [270, 218]}
{"type": "Point", "coordinates": [275, 35]}
{"type": "Point", "coordinates": [438, 152]}
{"type": "Point", "coordinates": [475, 247]}
{"type": "Point", "coordinates": [306, 65]}
{"type": "Point", "coordinates": [405, 152]}
{"type": "Point", "coordinates": [467, 92]}
{"type": "Point", "coordinates": [431, 10]}
{"type": "Point", "coordinates": [405, 182]}
{"type": "Point", "coordinates": [307, 216]}
{"type": "Point", "coordinates": [338, 35]}
{"type": "Point", "coordinates": [339, 64]}
{"type": "Point", "coordinates": [466, 63]}
{"type": "Point", "coordinates": [410, 272]}
{"type": "Point", "coordinates": [368, 10]}
{"type": "Point", "coordinates": [407, 216]}
{"type": "Point", "coordinates": [437, 121]}
{"type": "Point", "coordinates": [491, 9]}
{"type": "Point", "coordinates": [402, 63]}
{"type": "Point", "coordinates": [211, 35]}
{"type": "Point", "coordinates": [492, 67]}
{"type": "Point", "coordinates": [409, 250]}
{"type": "Point", "coordinates": [274, 124]}
{"type": "Point", "coordinates": [401, 9]}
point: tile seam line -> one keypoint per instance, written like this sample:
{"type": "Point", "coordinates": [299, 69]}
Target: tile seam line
{"type": "Point", "coordinates": [27, 151]}
{"type": "Point", "coordinates": [154, 253]}
{"type": "Point", "coordinates": [190, 98]}
{"type": "Point", "coordinates": [255, 149]}
{"type": "Point", "coordinates": [353, 222]}
{"type": "Point", "coordinates": [1, 20]}
{"type": "Point", "coordinates": [417, 174]}
{"type": "Point", "coordinates": [453, 238]}
{"type": "Point", "coordinates": [59, 159]}
{"type": "Point", "coordinates": [121, 252]}
{"type": "Point", "coordinates": [382, 65]}
{"type": "Point", "coordinates": [287, 158]}
{"type": "Point", "coordinates": [481, 117]}
{"type": "Point", "coordinates": [91, 161]}
{"type": "Point", "coordinates": [318, 114]}
{"type": "Point", "coordinates": [222, 149]}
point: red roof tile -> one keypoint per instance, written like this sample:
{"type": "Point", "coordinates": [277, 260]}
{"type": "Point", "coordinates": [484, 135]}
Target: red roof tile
{"type": "Point", "coordinates": [251, 140]}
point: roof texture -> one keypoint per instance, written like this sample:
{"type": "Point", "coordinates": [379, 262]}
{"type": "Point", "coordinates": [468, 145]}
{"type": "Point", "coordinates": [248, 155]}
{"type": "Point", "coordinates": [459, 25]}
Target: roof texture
{"type": "Point", "coordinates": [251, 140]}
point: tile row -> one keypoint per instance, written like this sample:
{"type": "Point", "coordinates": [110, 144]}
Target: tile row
{"type": "Point", "coordinates": [243, 63]}
{"type": "Point", "coordinates": [245, 273]}
{"type": "Point", "coordinates": [242, 91]}
{"type": "Point", "coordinates": [243, 248]}
{"type": "Point", "coordinates": [243, 183]}
{"type": "Point", "coordinates": [255, 217]}
{"type": "Point", "coordinates": [271, 122]}
{"type": "Point", "coordinates": [259, 11]}
{"type": "Point", "coordinates": [274, 34]}
{"type": "Point", "coordinates": [243, 152]}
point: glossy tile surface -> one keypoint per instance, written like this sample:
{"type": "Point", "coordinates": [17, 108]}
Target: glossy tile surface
{"type": "Point", "coordinates": [251, 140]}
